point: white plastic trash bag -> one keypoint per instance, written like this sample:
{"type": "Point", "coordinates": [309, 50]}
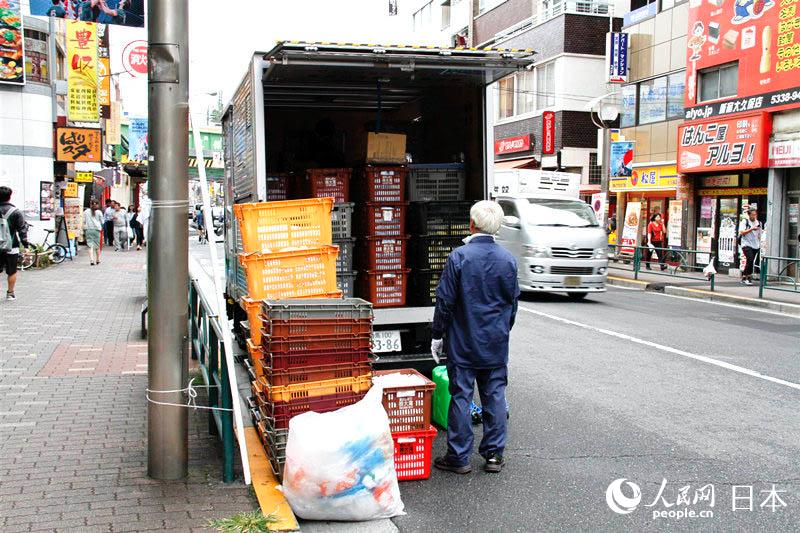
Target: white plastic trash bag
{"type": "Point", "coordinates": [709, 270]}
{"type": "Point", "coordinates": [340, 465]}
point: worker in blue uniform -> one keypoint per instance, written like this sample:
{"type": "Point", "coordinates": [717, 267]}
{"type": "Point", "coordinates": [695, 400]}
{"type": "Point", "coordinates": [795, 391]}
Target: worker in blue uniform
{"type": "Point", "coordinates": [476, 304]}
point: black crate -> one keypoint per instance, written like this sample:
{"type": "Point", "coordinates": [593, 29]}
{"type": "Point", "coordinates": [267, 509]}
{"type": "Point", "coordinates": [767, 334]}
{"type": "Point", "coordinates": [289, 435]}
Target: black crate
{"type": "Point", "coordinates": [430, 252]}
{"type": "Point", "coordinates": [422, 287]}
{"type": "Point", "coordinates": [344, 261]}
{"type": "Point", "coordinates": [436, 182]}
{"type": "Point", "coordinates": [346, 282]}
{"type": "Point", "coordinates": [444, 219]}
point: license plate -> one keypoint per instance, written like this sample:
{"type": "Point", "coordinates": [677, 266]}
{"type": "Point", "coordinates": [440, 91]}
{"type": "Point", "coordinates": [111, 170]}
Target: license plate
{"type": "Point", "coordinates": [386, 341]}
{"type": "Point", "coordinates": [572, 281]}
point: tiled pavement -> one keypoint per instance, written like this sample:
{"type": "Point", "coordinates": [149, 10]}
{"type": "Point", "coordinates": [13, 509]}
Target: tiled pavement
{"type": "Point", "coordinates": [73, 428]}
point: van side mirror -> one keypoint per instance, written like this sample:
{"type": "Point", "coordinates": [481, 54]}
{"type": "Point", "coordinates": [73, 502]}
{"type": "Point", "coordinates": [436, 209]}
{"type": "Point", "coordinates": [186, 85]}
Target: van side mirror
{"type": "Point", "coordinates": [511, 221]}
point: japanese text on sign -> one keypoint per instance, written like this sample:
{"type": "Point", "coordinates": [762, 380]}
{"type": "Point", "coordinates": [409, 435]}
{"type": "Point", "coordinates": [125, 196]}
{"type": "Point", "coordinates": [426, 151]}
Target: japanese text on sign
{"type": "Point", "coordinates": [82, 87]}
{"type": "Point", "coordinates": [723, 144]}
{"type": "Point", "coordinates": [78, 144]}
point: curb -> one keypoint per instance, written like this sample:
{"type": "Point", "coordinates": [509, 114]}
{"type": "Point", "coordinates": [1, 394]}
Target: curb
{"type": "Point", "coordinates": [698, 294]}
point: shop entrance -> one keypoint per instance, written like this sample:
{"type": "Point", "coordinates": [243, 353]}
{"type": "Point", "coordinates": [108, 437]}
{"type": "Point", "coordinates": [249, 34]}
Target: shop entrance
{"type": "Point", "coordinates": [793, 215]}
{"type": "Point", "coordinates": [718, 228]}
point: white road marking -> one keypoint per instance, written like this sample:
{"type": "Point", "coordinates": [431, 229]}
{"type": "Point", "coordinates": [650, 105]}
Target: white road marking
{"type": "Point", "coordinates": [86, 361]}
{"type": "Point", "coordinates": [90, 350]}
{"type": "Point", "coordinates": [81, 369]}
{"type": "Point", "coordinates": [668, 349]}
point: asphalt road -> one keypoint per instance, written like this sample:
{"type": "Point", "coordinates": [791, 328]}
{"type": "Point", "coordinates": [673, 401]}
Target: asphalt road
{"type": "Point", "coordinates": [639, 386]}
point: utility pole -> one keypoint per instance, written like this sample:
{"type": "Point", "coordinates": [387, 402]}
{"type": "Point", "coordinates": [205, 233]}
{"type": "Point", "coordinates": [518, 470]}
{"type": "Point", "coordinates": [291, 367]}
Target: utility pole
{"type": "Point", "coordinates": [168, 244]}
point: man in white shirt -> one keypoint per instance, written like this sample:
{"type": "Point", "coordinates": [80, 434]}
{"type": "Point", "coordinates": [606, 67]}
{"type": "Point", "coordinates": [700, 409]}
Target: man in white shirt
{"type": "Point", "coordinates": [750, 231]}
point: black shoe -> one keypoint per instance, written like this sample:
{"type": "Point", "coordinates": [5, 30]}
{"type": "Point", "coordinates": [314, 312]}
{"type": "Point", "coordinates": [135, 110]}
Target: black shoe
{"type": "Point", "coordinates": [647, 266]}
{"type": "Point", "coordinates": [663, 267]}
{"type": "Point", "coordinates": [494, 463]}
{"type": "Point", "coordinates": [443, 464]}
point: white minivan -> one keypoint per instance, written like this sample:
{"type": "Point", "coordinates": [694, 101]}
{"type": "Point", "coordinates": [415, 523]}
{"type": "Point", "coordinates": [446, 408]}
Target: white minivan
{"type": "Point", "coordinates": [558, 244]}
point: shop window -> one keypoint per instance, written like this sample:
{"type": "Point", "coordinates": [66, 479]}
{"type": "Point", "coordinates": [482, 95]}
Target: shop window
{"type": "Point", "coordinates": [718, 82]}
{"type": "Point", "coordinates": [676, 85]}
{"type": "Point", "coordinates": [653, 100]}
{"type": "Point", "coordinates": [36, 56]}
{"type": "Point", "coordinates": [628, 115]}
{"type": "Point", "coordinates": [446, 14]}
{"type": "Point", "coordinates": [505, 97]}
{"type": "Point", "coordinates": [526, 92]}
{"type": "Point", "coordinates": [545, 85]}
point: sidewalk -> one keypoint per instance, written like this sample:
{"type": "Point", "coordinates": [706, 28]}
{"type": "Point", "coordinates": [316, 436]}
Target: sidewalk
{"type": "Point", "coordinates": [726, 288]}
{"type": "Point", "coordinates": [73, 428]}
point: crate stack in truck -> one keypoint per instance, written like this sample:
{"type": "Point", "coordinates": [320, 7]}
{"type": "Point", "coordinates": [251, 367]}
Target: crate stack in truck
{"type": "Point", "coordinates": [409, 124]}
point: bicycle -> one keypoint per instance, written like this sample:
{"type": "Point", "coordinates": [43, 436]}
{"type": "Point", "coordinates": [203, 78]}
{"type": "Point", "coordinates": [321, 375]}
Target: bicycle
{"type": "Point", "coordinates": [30, 256]}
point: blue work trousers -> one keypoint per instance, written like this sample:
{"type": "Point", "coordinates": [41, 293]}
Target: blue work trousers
{"type": "Point", "coordinates": [492, 390]}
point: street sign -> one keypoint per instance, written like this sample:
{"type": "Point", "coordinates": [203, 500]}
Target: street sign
{"type": "Point", "coordinates": [617, 57]}
{"type": "Point", "coordinates": [548, 133]}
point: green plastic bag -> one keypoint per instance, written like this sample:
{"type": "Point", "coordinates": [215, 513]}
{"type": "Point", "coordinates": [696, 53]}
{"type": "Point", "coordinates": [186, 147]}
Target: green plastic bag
{"type": "Point", "coordinates": [441, 396]}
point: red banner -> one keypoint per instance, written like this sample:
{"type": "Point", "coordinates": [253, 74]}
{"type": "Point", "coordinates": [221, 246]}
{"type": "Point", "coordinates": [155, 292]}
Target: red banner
{"type": "Point", "coordinates": [762, 36]}
{"type": "Point", "coordinates": [724, 144]}
{"type": "Point", "coordinates": [548, 133]}
{"type": "Point", "coordinates": [510, 145]}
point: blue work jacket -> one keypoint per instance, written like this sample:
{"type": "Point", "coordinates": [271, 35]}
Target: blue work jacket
{"type": "Point", "coordinates": [476, 304]}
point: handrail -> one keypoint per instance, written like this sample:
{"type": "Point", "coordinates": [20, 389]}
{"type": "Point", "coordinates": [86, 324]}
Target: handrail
{"type": "Point", "coordinates": [782, 279]}
{"type": "Point", "coordinates": [680, 262]}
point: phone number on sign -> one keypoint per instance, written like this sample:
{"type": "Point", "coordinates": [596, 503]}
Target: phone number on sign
{"type": "Point", "coordinates": [784, 98]}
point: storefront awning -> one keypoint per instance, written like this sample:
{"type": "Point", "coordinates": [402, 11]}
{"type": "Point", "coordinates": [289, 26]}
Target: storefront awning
{"type": "Point", "coordinates": [529, 162]}
{"type": "Point", "coordinates": [589, 189]}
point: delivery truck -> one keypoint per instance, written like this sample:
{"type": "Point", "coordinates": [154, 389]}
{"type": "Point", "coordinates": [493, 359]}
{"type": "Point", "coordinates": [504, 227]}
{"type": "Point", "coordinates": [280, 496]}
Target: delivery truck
{"type": "Point", "coordinates": [321, 105]}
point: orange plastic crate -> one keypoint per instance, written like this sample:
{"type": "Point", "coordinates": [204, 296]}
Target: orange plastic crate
{"type": "Point", "coordinates": [284, 329]}
{"type": "Point", "coordinates": [256, 357]}
{"type": "Point", "coordinates": [313, 389]}
{"type": "Point", "coordinates": [296, 274]}
{"type": "Point", "coordinates": [409, 408]}
{"type": "Point", "coordinates": [274, 226]}
{"type": "Point", "coordinates": [253, 310]}
{"type": "Point", "coordinates": [309, 374]}
{"type": "Point", "coordinates": [385, 288]}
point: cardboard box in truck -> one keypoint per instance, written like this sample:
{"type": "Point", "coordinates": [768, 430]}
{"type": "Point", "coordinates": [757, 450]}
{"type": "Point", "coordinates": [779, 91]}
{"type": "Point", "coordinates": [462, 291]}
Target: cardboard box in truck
{"type": "Point", "coordinates": [386, 148]}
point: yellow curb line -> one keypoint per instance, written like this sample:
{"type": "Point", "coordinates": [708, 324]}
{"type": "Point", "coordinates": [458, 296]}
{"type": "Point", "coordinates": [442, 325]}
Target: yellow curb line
{"type": "Point", "coordinates": [271, 500]}
{"type": "Point", "coordinates": [628, 280]}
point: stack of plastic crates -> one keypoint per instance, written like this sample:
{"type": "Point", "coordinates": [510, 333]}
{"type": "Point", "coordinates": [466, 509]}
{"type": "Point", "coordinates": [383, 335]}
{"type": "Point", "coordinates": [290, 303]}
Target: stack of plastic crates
{"type": "Point", "coordinates": [437, 229]}
{"type": "Point", "coordinates": [384, 279]}
{"type": "Point", "coordinates": [315, 356]}
{"type": "Point", "coordinates": [286, 253]}
{"type": "Point", "coordinates": [436, 182]}
{"type": "Point", "coordinates": [409, 410]}
{"type": "Point", "coordinates": [342, 227]}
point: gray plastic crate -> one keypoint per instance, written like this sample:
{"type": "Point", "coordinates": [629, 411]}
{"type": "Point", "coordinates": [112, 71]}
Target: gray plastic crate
{"type": "Point", "coordinates": [436, 182]}
{"type": "Point", "coordinates": [344, 261]}
{"type": "Point", "coordinates": [318, 308]}
{"type": "Point", "coordinates": [342, 220]}
{"type": "Point", "coordinates": [346, 282]}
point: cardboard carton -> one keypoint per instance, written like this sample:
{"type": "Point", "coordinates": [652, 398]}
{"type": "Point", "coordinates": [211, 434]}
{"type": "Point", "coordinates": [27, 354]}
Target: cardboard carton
{"type": "Point", "coordinates": [386, 148]}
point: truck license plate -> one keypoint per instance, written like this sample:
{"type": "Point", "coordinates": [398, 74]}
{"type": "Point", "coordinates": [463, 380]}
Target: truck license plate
{"type": "Point", "coordinates": [572, 281]}
{"type": "Point", "coordinates": [386, 341]}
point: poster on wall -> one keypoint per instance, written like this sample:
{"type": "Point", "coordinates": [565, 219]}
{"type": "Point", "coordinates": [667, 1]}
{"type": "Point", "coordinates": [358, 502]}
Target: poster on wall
{"type": "Point", "coordinates": [726, 243]}
{"type": "Point", "coordinates": [621, 158]}
{"type": "Point", "coordinates": [47, 203]}
{"type": "Point", "coordinates": [73, 216]}
{"type": "Point", "coordinates": [36, 60]}
{"type": "Point", "coordinates": [630, 228]}
{"type": "Point", "coordinates": [675, 224]}
{"type": "Point", "coordinates": [761, 37]}
{"type": "Point", "coordinates": [114, 124]}
{"type": "Point", "coordinates": [703, 246]}
{"type": "Point", "coordinates": [137, 139]}
{"type": "Point", "coordinates": [599, 207]}
{"type": "Point", "coordinates": [82, 72]}
{"type": "Point", "coordinates": [118, 12]}
{"type": "Point", "coordinates": [12, 43]}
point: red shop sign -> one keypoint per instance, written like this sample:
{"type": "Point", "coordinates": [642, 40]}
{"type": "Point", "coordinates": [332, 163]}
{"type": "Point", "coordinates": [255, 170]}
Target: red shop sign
{"type": "Point", "coordinates": [134, 58]}
{"type": "Point", "coordinates": [724, 144]}
{"type": "Point", "coordinates": [510, 145]}
{"type": "Point", "coordinates": [548, 132]}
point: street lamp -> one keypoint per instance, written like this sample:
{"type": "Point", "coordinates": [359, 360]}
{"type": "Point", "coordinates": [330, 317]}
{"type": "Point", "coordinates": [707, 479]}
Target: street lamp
{"type": "Point", "coordinates": [604, 111]}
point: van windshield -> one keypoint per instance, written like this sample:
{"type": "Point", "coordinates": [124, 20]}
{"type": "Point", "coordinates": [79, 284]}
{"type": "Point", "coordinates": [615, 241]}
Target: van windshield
{"type": "Point", "coordinates": [559, 212]}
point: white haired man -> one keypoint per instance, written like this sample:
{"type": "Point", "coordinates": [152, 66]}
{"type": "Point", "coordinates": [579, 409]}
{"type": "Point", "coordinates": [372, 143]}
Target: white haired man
{"type": "Point", "coordinates": [476, 304]}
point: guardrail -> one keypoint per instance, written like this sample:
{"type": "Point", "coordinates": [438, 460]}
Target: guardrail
{"type": "Point", "coordinates": [205, 333]}
{"type": "Point", "coordinates": [678, 262]}
{"type": "Point", "coordinates": [786, 276]}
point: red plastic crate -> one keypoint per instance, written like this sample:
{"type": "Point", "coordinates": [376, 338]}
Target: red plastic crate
{"type": "Point", "coordinates": [412, 453]}
{"type": "Point", "coordinates": [385, 288]}
{"type": "Point", "coordinates": [385, 184]}
{"type": "Point", "coordinates": [305, 374]}
{"type": "Point", "coordinates": [385, 220]}
{"type": "Point", "coordinates": [282, 361]}
{"type": "Point", "coordinates": [385, 253]}
{"type": "Point", "coordinates": [330, 183]}
{"type": "Point", "coordinates": [409, 408]}
{"type": "Point", "coordinates": [279, 414]}
{"type": "Point", "coordinates": [329, 343]}
{"type": "Point", "coordinates": [284, 329]}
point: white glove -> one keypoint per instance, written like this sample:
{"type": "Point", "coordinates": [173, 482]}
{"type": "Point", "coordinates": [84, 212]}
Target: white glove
{"type": "Point", "coordinates": [436, 349]}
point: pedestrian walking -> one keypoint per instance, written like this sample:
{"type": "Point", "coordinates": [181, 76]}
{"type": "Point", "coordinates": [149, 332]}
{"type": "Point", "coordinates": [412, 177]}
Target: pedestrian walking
{"type": "Point", "coordinates": [137, 227]}
{"type": "Point", "coordinates": [108, 226]}
{"type": "Point", "coordinates": [93, 226]}
{"type": "Point", "coordinates": [13, 232]}
{"type": "Point", "coordinates": [476, 304]}
{"type": "Point", "coordinates": [200, 222]}
{"type": "Point", "coordinates": [655, 241]}
{"type": "Point", "coordinates": [750, 234]}
{"type": "Point", "coordinates": [120, 228]}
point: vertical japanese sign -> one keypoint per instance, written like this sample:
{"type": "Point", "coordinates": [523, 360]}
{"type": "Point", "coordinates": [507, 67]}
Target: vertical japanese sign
{"type": "Point", "coordinates": [630, 229]}
{"type": "Point", "coordinates": [675, 226]}
{"type": "Point", "coordinates": [114, 124]}
{"type": "Point", "coordinates": [137, 139]}
{"type": "Point", "coordinates": [548, 133]}
{"type": "Point", "coordinates": [12, 39]}
{"type": "Point", "coordinates": [616, 57]}
{"type": "Point", "coordinates": [82, 72]}
{"type": "Point", "coordinates": [104, 71]}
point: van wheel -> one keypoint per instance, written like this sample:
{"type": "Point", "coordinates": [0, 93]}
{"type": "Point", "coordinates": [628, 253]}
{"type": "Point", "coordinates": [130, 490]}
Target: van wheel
{"type": "Point", "coordinates": [576, 295]}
